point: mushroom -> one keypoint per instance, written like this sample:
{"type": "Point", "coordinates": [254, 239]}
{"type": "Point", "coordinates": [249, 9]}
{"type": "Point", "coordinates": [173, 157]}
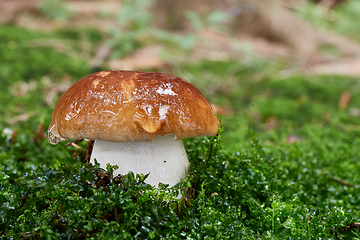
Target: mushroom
{"type": "Point", "coordinates": [136, 119]}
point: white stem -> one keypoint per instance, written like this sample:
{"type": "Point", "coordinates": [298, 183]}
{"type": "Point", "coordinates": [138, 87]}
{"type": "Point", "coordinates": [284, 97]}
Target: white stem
{"type": "Point", "coordinates": [164, 157]}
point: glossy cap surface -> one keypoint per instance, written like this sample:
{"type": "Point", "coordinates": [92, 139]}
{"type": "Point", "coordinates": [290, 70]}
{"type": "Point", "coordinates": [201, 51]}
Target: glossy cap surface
{"type": "Point", "coordinates": [132, 106]}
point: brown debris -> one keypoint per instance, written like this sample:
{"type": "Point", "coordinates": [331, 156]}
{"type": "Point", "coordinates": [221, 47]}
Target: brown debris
{"type": "Point", "coordinates": [13, 136]}
{"type": "Point", "coordinates": [190, 192]}
{"type": "Point", "coordinates": [40, 133]}
{"type": "Point", "coordinates": [19, 89]}
{"type": "Point", "coordinates": [341, 181]}
{"type": "Point", "coordinates": [271, 123]}
{"type": "Point", "coordinates": [344, 66]}
{"type": "Point", "coordinates": [74, 143]}
{"type": "Point", "coordinates": [103, 179]}
{"type": "Point", "coordinates": [19, 118]}
{"type": "Point", "coordinates": [344, 100]}
{"type": "Point", "coordinates": [107, 216]}
{"type": "Point", "coordinates": [293, 139]}
{"type": "Point", "coordinates": [352, 226]}
{"type": "Point", "coordinates": [89, 183]}
{"type": "Point", "coordinates": [23, 200]}
{"type": "Point", "coordinates": [187, 203]}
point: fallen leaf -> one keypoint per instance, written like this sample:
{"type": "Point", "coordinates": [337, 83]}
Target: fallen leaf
{"type": "Point", "coordinates": [343, 67]}
{"type": "Point", "coordinates": [271, 123]}
{"type": "Point", "coordinates": [39, 133]}
{"type": "Point", "coordinates": [292, 139]}
{"type": "Point", "coordinates": [344, 100]}
{"type": "Point", "coordinates": [19, 118]}
{"type": "Point", "coordinates": [19, 89]}
{"type": "Point", "coordinates": [13, 137]}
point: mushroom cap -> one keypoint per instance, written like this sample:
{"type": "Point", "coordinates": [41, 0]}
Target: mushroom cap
{"type": "Point", "coordinates": [132, 106]}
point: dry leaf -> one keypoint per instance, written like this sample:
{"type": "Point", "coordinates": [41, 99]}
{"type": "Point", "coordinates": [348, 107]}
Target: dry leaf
{"type": "Point", "coordinates": [40, 133]}
{"type": "Point", "coordinates": [292, 139]}
{"type": "Point", "coordinates": [344, 100]}
{"type": "Point", "coordinates": [19, 89]}
{"type": "Point", "coordinates": [271, 123]}
{"type": "Point", "coordinates": [19, 118]}
{"type": "Point", "coordinates": [344, 67]}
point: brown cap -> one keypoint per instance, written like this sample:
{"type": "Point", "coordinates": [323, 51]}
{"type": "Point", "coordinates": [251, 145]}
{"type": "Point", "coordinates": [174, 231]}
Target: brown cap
{"type": "Point", "coordinates": [132, 106]}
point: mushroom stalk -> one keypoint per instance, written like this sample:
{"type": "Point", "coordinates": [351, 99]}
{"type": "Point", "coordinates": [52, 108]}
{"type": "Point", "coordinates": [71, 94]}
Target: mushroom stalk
{"type": "Point", "coordinates": [164, 158]}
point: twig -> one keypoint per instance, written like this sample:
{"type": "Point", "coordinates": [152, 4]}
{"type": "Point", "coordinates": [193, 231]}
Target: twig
{"type": "Point", "coordinates": [13, 136]}
{"type": "Point", "coordinates": [89, 183]}
{"type": "Point", "coordinates": [74, 143]}
{"type": "Point", "coordinates": [341, 181]}
{"type": "Point", "coordinates": [39, 133]}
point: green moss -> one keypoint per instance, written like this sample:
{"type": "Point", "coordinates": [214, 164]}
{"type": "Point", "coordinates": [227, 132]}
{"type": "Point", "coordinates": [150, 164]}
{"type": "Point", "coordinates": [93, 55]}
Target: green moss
{"type": "Point", "coordinates": [249, 182]}
{"type": "Point", "coordinates": [23, 61]}
{"type": "Point", "coordinates": [260, 192]}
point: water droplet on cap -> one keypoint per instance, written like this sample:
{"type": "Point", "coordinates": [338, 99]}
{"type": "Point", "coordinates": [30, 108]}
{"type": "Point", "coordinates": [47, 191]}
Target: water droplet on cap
{"type": "Point", "coordinates": [52, 138]}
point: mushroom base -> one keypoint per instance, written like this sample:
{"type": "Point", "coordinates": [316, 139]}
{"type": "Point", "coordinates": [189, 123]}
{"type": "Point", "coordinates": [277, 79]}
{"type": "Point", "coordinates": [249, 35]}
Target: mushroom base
{"type": "Point", "coordinates": [164, 158]}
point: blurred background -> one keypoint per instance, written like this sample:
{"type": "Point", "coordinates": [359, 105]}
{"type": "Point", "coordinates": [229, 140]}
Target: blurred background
{"type": "Point", "coordinates": [276, 66]}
